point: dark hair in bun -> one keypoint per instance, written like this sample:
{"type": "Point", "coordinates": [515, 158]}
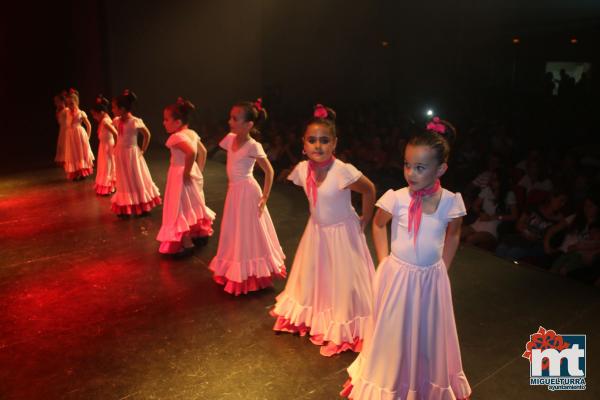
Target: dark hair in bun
{"type": "Point", "coordinates": [438, 135]}
{"type": "Point", "coordinates": [101, 104]}
{"type": "Point", "coordinates": [181, 110]}
{"type": "Point", "coordinates": [125, 100]}
{"type": "Point", "coordinates": [323, 115]}
{"type": "Point", "coordinates": [253, 112]}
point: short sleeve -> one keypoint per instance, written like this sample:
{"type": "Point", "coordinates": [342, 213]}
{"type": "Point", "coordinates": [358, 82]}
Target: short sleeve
{"type": "Point", "coordinates": [139, 123]}
{"type": "Point", "coordinates": [388, 202]}
{"type": "Point", "coordinates": [174, 139]}
{"type": "Point", "coordinates": [226, 142]}
{"type": "Point", "coordinates": [349, 175]}
{"type": "Point", "coordinates": [457, 208]}
{"type": "Point", "coordinates": [256, 150]}
{"type": "Point", "coordinates": [295, 175]}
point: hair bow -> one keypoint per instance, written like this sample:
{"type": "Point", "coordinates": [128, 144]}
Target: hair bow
{"type": "Point", "coordinates": [437, 126]}
{"type": "Point", "coordinates": [320, 111]}
{"type": "Point", "coordinates": [258, 104]}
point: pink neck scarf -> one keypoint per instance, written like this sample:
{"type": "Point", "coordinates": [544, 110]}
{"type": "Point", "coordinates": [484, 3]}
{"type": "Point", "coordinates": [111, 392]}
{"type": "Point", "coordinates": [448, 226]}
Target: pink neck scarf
{"type": "Point", "coordinates": [415, 210]}
{"type": "Point", "coordinates": [311, 183]}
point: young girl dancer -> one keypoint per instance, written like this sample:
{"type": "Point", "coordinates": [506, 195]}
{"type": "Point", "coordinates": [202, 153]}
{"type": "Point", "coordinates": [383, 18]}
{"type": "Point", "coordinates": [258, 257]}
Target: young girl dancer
{"type": "Point", "coordinates": [105, 169]}
{"type": "Point", "coordinates": [61, 118]}
{"type": "Point", "coordinates": [411, 348]}
{"type": "Point", "coordinates": [79, 159]}
{"type": "Point", "coordinates": [329, 292]}
{"type": "Point", "coordinates": [249, 254]}
{"type": "Point", "coordinates": [185, 214]}
{"type": "Point", "coordinates": [136, 192]}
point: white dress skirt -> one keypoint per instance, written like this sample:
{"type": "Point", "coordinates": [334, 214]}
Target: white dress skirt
{"type": "Point", "coordinates": [184, 209]}
{"type": "Point", "coordinates": [105, 168]}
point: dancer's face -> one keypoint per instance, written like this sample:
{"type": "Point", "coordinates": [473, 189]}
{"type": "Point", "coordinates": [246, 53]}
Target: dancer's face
{"type": "Point", "coordinates": [421, 167]}
{"type": "Point", "coordinates": [319, 143]}
{"type": "Point", "coordinates": [171, 125]}
{"type": "Point", "coordinates": [71, 102]}
{"type": "Point", "coordinates": [237, 123]}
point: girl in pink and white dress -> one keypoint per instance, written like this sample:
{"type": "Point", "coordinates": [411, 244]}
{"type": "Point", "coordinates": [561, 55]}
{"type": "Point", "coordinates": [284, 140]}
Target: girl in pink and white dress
{"type": "Point", "coordinates": [136, 192]}
{"type": "Point", "coordinates": [61, 118]}
{"type": "Point", "coordinates": [79, 159]}
{"type": "Point", "coordinates": [185, 214]}
{"type": "Point", "coordinates": [107, 134]}
{"type": "Point", "coordinates": [411, 350]}
{"type": "Point", "coordinates": [328, 293]}
{"type": "Point", "coordinates": [249, 254]}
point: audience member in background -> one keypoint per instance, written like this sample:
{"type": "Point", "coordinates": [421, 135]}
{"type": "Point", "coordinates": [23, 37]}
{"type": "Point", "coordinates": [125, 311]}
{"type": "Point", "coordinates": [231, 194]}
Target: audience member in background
{"type": "Point", "coordinates": [496, 204]}
{"type": "Point", "coordinates": [528, 241]}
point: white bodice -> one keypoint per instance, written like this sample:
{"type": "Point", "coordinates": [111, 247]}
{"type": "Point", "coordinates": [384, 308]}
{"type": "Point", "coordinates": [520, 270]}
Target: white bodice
{"type": "Point", "coordinates": [333, 197]}
{"type": "Point", "coordinates": [186, 135]}
{"type": "Point", "coordinates": [240, 163]}
{"type": "Point", "coordinates": [104, 135]}
{"type": "Point", "coordinates": [127, 131]}
{"type": "Point", "coordinates": [432, 231]}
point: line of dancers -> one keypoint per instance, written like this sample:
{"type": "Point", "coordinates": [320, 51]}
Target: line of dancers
{"type": "Point", "coordinates": [399, 317]}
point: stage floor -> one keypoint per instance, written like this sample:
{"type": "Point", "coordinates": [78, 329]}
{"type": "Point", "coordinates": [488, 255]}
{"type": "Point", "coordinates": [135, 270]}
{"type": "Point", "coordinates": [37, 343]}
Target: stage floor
{"type": "Point", "coordinates": [91, 310]}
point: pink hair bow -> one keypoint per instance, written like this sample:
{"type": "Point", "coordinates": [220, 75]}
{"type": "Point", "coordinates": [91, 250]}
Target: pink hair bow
{"type": "Point", "coordinates": [437, 126]}
{"type": "Point", "coordinates": [320, 112]}
{"type": "Point", "coordinates": [258, 104]}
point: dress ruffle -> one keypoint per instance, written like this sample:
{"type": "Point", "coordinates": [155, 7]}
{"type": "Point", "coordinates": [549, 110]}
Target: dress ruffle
{"type": "Point", "coordinates": [104, 190]}
{"type": "Point", "coordinates": [201, 229]}
{"type": "Point", "coordinates": [243, 277]}
{"type": "Point", "coordinates": [293, 317]}
{"type": "Point", "coordinates": [136, 209]}
{"type": "Point", "coordinates": [251, 284]}
{"type": "Point", "coordinates": [197, 222]}
{"type": "Point", "coordinates": [459, 389]}
{"type": "Point", "coordinates": [80, 173]}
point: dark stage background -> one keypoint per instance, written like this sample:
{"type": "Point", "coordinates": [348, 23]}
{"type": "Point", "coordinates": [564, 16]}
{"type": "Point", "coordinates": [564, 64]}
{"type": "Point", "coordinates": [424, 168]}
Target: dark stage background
{"type": "Point", "coordinates": [293, 54]}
